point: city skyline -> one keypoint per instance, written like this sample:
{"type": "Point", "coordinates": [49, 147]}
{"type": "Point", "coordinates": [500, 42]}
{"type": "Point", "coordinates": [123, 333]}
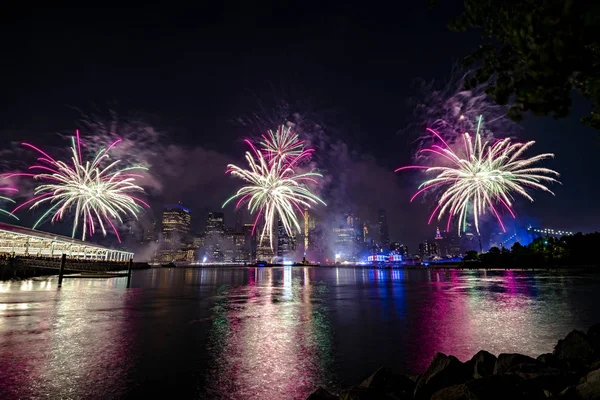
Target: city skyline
{"type": "Point", "coordinates": [348, 241]}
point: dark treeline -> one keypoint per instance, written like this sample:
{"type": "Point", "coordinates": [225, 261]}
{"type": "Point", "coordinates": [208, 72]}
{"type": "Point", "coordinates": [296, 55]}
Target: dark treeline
{"type": "Point", "coordinates": [576, 250]}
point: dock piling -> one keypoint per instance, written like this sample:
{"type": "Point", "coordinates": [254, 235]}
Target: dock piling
{"type": "Point", "coordinates": [63, 261]}
{"type": "Point", "coordinates": [129, 273]}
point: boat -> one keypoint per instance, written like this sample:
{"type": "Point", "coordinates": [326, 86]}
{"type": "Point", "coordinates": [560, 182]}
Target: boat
{"type": "Point", "coordinates": [169, 265]}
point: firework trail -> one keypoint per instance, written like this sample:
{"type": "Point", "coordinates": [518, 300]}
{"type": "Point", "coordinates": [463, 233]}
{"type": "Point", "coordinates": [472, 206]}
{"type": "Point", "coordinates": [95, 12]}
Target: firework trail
{"type": "Point", "coordinates": [274, 189]}
{"type": "Point", "coordinates": [4, 191]}
{"type": "Point", "coordinates": [486, 178]}
{"type": "Point", "coordinates": [98, 194]}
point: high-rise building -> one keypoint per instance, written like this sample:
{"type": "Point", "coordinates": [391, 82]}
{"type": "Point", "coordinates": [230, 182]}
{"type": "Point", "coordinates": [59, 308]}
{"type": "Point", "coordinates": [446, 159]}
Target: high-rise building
{"type": "Point", "coordinates": [264, 252]}
{"type": "Point", "coordinates": [215, 241]}
{"type": "Point", "coordinates": [250, 241]}
{"type": "Point", "coordinates": [176, 241]}
{"type": "Point", "coordinates": [306, 229]}
{"type": "Point", "coordinates": [428, 249]}
{"type": "Point", "coordinates": [176, 223]}
{"type": "Point", "coordinates": [239, 220]}
{"type": "Point", "coordinates": [399, 248]}
{"type": "Point", "coordinates": [284, 241]}
{"type": "Point", "coordinates": [150, 234]}
{"type": "Point", "coordinates": [384, 234]}
{"type": "Point", "coordinates": [215, 223]}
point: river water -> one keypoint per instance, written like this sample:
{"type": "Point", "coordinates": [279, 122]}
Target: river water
{"type": "Point", "coordinates": [270, 333]}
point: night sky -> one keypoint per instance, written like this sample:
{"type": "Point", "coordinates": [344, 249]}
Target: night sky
{"type": "Point", "coordinates": [193, 72]}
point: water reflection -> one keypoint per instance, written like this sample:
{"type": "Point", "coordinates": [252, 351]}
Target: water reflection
{"type": "Point", "coordinates": [60, 342]}
{"type": "Point", "coordinates": [267, 341]}
{"type": "Point", "coordinates": [270, 333]}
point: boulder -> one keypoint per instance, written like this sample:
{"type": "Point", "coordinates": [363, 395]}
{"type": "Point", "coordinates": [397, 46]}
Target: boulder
{"type": "Point", "coordinates": [575, 350]}
{"type": "Point", "coordinates": [506, 360]}
{"type": "Point", "coordinates": [443, 371]}
{"type": "Point", "coordinates": [593, 335]}
{"type": "Point", "coordinates": [361, 393]}
{"type": "Point", "coordinates": [543, 377]}
{"type": "Point", "coordinates": [456, 392]}
{"type": "Point", "coordinates": [548, 359]}
{"type": "Point", "coordinates": [384, 380]}
{"type": "Point", "coordinates": [491, 387]}
{"type": "Point", "coordinates": [589, 386]}
{"type": "Point", "coordinates": [321, 394]}
{"type": "Point", "coordinates": [483, 364]}
{"type": "Point", "coordinates": [568, 394]}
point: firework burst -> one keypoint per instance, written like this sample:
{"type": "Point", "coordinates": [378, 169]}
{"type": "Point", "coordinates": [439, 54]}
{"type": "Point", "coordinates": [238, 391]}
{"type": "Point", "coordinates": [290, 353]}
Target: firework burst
{"type": "Point", "coordinates": [283, 144]}
{"type": "Point", "coordinates": [98, 191]}
{"type": "Point", "coordinates": [274, 189]}
{"type": "Point", "coordinates": [484, 179]}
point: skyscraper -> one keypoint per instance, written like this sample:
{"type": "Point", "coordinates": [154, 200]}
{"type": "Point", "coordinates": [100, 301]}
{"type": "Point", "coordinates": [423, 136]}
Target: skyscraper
{"type": "Point", "coordinates": [239, 220]}
{"type": "Point", "coordinates": [215, 223]}
{"type": "Point", "coordinates": [306, 218]}
{"type": "Point", "coordinates": [176, 223]}
{"type": "Point", "coordinates": [384, 234]}
{"type": "Point", "coordinates": [284, 245]}
{"type": "Point", "coordinates": [214, 236]}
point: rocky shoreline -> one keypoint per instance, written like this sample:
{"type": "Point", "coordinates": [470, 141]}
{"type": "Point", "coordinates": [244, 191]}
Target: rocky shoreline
{"type": "Point", "coordinates": [571, 372]}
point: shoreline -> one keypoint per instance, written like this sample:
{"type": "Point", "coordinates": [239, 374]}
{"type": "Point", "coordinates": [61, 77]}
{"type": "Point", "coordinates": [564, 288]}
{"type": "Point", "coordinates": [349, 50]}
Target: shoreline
{"type": "Point", "coordinates": [33, 273]}
{"type": "Point", "coordinates": [570, 372]}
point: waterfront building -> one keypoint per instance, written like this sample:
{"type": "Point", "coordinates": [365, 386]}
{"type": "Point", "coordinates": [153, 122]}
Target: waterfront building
{"type": "Point", "coordinates": [20, 241]}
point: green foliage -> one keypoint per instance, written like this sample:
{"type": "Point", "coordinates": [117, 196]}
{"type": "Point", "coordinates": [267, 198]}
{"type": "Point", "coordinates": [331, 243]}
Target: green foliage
{"type": "Point", "coordinates": [576, 250]}
{"type": "Point", "coordinates": [471, 255]}
{"type": "Point", "coordinates": [536, 53]}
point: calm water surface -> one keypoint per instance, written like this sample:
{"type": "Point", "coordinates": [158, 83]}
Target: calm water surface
{"type": "Point", "coordinates": [246, 333]}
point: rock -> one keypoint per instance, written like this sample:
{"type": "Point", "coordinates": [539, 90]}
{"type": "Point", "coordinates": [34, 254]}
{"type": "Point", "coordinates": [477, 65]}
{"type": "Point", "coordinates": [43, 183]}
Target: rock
{"type": "Point", "coordinates": [568, 393]}
{"type": "Point", "coordinates": [443, 371]}
{"type": "Point", "coordinates": [505, 361]}
{"type": "Point", "coordinates": [589, 386]}
{"type": "Point", "coordinates": [456, 392]}
{"type": "Point", "coordinates": [384, 380]}
{"type": "Point", "coordinates": [491, 387]}
{"type": "Point", "coordinates": [540, 377]}
{"type": "Point", "coordinates": [483, 364]}
{"type": "Point", "coordinates": [361, 393]}
{"type": "Point", "coordinates": [321, 394]}
{"type": "Point", "coordinates": [575, 350]}
{"type": "Point", "coordinates": [548, 359]}
{"type": "Point", "coordinates": [593, 335]}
